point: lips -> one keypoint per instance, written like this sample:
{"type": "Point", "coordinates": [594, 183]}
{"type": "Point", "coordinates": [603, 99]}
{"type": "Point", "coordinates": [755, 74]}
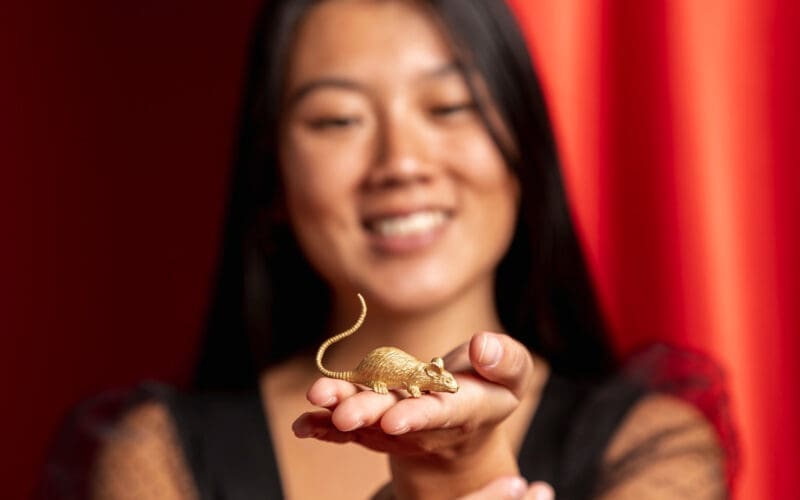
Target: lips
{"type": "Point", "coordinates": [412, 230]}
{"type": "Point", "coordinates": [414, 223]}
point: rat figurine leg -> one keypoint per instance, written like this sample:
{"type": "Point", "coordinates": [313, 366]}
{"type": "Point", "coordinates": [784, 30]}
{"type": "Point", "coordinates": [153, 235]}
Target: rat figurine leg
{"type": "Point", "coordinates": [379, 387]}
{"type": "Point", "coordinates": [414, 390]}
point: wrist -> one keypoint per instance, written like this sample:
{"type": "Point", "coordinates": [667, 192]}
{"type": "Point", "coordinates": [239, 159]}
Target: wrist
{"type": "Point", "coordinates": [453, 474]}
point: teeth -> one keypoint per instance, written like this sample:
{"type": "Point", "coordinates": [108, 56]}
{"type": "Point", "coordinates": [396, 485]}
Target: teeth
{"type": "Point", "coordinates": [406, 225]}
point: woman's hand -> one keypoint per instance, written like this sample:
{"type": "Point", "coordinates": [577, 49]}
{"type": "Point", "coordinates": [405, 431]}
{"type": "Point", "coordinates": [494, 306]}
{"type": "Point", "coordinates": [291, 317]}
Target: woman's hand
{"type": "Point", "coordinates": [512, 488]}
{"type": "Point", "coordinates": [441, 443]}
{"type": "Point", "coordinates": [502, 488]}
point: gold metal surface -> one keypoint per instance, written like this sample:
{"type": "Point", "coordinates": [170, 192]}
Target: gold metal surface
{"type": "Point", "coordinates": [387, 368]}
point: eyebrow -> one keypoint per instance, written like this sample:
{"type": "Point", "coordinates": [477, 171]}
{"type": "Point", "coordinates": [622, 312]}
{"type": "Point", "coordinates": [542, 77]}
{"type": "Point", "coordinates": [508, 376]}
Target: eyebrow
{"type": "Point", "coordinates": [332, 82]}
{"type": "Point", "coordinates": [444, 70]}
{"type": "Point", "coordinates": [346, 84]}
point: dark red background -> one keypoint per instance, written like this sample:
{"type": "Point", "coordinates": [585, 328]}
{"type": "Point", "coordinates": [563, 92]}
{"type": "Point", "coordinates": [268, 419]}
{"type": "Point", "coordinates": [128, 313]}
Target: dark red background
{"type": "Point", "coordinates": [677, 122]}
{"type": "Point", "coordinates": [118, 120]}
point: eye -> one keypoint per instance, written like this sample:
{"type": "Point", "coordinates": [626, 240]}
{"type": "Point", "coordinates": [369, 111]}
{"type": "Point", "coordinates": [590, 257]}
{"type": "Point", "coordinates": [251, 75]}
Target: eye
{"type": "Point", "coordinates": [334, 122]}
{"type": "Point", "coordinates": [446, 110]}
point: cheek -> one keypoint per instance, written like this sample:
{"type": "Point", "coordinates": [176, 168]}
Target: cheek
{"type": "Point", "coordinates": [314, 207]}
{"type": "Point", "coordinates": [318, 177]}
{"type": "Point", "coordinates": [492, 188]}
{"type": "Point", "coordinates": [308, 195]}
{"type": "Point", "coordinates": [479, 164]}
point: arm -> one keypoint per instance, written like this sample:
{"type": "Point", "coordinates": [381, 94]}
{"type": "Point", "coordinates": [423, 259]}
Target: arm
{"type": "Point", "coordinates": [664, 449]}
{"type": "Point", "coordinates": [142, 460]}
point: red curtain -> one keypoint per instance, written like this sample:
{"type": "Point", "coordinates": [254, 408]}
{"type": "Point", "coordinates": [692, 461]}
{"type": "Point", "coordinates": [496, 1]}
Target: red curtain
{"type": "Point", "coordinates": [676, 121]}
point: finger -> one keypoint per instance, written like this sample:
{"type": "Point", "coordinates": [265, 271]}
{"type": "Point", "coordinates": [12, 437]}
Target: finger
{"type": "Point", "coordinates": [333, 435]}
{"type": "Point", "coordinates": [329, 392]}
{"type": "Point", "coordinates": [457, 360]}
{"type": "Point", "coordinates": [362, 409]}
{"type": "Point", "coordinates": [311, 423]}
{"type": "Point", "coordinates": [476, 403]}
{"type": "Point", "coordinates": [503, 360]}
{"type": "Point", "coordinates": [318, 425]}
{"type": "Point", "coordinates": [540, 491]}
{"type": "Point", "coordinates": [501, 488]}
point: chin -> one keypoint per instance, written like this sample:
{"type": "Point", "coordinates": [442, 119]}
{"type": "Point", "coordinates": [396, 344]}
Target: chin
{"type": "Point", "coordinates": [409, 297]}
{"type": "Point", "coordinates": [411, 286]}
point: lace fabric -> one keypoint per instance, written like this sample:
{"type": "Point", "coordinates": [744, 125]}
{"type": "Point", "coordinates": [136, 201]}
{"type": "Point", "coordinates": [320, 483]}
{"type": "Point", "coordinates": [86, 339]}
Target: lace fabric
{"type": "Point", "coordinates": [126, 444]}
{"type": "Point", "coordinates": [119, 444]}
{"type": "Point", "coordinates": [664, 449]}
{"type": "Point", "coordinates": [694, 377]}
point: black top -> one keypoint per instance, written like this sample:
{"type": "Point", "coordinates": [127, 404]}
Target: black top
{"type": "Point", "coordinates": [564, 445]}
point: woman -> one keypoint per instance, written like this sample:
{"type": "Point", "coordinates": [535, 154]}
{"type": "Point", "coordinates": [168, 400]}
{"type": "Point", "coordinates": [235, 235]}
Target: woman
{"type": "Point", "coordinates": [401, 149]}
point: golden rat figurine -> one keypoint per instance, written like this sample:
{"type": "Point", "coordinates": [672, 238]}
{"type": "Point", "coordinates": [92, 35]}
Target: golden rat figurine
{"type": "Point", "coordinates": [387, 368]}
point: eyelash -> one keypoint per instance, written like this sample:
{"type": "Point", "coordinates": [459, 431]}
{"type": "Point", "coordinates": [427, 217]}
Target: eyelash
{"type": "Point", "coordinates": [333, 123]}
{"type": "Point", "coordinates": [452, 109]}
{"type": "Point", "coordinates": [344, 122]}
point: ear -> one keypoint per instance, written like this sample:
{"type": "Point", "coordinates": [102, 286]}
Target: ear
{"type": "Point", "coordinates": [434, 367]}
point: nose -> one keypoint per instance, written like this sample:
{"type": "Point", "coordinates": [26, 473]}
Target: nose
{"type": "Point", "coordinates": [400, 154]}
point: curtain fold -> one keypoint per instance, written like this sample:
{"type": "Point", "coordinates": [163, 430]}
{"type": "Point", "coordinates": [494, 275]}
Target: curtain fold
{"type": "Point", "coordinates": [677, 122]}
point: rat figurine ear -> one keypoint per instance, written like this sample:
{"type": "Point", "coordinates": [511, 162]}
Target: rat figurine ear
{"type": "Point", "coordinates": [433, 370]}
{"type": "Point", "coordinates": [435, 367]}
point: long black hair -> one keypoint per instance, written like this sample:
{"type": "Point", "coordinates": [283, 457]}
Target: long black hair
{"type": "Point", "coordinates": [268, 303]}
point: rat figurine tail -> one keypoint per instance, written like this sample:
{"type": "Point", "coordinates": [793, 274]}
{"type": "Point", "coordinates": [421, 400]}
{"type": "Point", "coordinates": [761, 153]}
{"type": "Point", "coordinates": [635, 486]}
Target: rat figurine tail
{"type": "Point", "coordinates": [346, 375]}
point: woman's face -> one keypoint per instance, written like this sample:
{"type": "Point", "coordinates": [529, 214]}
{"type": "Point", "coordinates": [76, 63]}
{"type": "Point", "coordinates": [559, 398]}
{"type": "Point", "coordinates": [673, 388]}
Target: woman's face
{"type": "Point", "coordinates": [393, 186]}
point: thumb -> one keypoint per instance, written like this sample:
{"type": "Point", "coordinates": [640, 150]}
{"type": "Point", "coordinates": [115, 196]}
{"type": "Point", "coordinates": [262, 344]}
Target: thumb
{"type": "Point", "coordinates": [510, 488]}
{"type": "Point", "coordinates": [540, 491]}
{"type": "Point", "coordinates": [503, 360]}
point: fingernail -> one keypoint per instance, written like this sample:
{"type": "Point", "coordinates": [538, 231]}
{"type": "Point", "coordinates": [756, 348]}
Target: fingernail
{"type": "Point", "coordinates": [355, 426]}
{"type": "Point", "coordinates": [401, 429]}
{"type": "Point", "coordinates": [491, 352]}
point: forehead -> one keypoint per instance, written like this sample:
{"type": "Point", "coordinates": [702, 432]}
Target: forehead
{"type": "Point", "coordinates": [389, 40]}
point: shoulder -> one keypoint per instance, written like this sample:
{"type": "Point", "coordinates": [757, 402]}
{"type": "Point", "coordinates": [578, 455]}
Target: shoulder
{"type": "Point", "coordinates": [141, 457]}
{"type": "Point", "coordinates": [663, 448]}
{"type": "Point", "coordinates": [144, 426]}
{"type": "Point", "coordinates": [664, 420]}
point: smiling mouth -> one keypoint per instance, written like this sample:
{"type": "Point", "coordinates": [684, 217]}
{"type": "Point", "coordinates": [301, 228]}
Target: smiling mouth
{"type": "Point", "coordinates": [408, 225]}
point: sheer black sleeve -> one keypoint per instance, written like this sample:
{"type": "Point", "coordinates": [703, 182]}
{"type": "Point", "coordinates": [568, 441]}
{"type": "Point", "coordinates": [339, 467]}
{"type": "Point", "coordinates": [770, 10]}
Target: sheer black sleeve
{"type": "Point", "coordinates": [118, 445]}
